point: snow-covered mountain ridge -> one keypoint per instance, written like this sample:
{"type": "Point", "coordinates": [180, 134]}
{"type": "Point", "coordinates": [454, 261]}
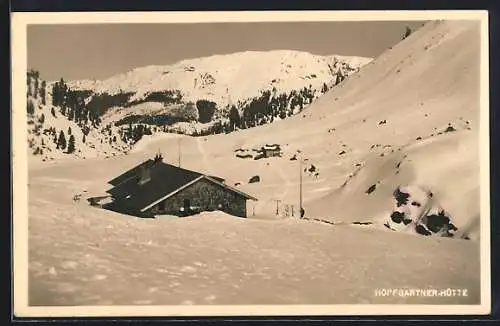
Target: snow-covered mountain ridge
{"type": "Point", "coordinates": [208, 95]}
{"type": "Point", "coordinates": [258, 86]}
{"type": "Point", "coordinates": [230, 77]}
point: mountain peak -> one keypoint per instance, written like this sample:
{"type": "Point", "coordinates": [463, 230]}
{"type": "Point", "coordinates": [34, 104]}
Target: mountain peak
{"type": "Point", "coordinates": [194, 96]}
{"type": "Point", "coordinates": [243, 74]}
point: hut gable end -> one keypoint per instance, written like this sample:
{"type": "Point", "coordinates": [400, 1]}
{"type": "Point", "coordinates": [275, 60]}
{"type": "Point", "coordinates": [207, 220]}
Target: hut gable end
{"type": "Point", "coordinates": [202, 195]}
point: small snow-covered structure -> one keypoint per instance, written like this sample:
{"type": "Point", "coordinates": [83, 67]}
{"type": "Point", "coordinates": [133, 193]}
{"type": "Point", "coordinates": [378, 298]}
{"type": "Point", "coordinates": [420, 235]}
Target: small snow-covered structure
{"type": "Point", "coordinates": [266, 151]}
{"type": "Point", "coordinates": [271, 150]}
{"type": "Point", "coordinates": [157, 188]}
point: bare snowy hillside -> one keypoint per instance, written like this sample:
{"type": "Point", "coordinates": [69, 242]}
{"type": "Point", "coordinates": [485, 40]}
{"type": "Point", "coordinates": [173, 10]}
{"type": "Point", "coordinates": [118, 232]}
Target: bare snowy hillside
{"type": "Point", "coordinates": [389, 163]}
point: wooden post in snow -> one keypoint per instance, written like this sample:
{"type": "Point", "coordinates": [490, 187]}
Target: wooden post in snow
{"type": "Point", "coordinates": [300, 185]}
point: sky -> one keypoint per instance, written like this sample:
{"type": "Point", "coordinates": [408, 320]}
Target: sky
{"type": "Point", "coordinates": [99, 51]}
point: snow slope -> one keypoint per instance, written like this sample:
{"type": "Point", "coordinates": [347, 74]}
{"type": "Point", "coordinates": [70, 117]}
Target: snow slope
{"type": "Point", "coordinates": [399, 105]}
{"type": "Point", "coordinates": [81, 255]}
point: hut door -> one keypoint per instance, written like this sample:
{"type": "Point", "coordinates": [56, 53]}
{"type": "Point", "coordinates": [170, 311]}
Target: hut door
{"type": "Point", "coordinates": [187, 204]}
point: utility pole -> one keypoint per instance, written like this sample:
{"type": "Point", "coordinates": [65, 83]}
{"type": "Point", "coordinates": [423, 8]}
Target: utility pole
{"type": "Point", "coordinates": [300, 187]}
{"type": "Point", "coordinates": [277, 206]}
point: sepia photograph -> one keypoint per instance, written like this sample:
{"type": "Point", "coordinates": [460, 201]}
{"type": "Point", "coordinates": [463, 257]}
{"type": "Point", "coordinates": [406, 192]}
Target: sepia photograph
{"type": "Point", "coordinates": [250, 163]}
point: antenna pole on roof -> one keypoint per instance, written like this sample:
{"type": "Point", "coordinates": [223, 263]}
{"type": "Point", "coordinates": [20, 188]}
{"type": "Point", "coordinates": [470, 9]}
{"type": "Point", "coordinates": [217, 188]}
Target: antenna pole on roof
{"type": "Point", "coordinates": [179, 156]}
{"type": "Point", "coordinates": [158, 156]}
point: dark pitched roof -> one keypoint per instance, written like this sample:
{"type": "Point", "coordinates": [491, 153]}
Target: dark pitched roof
{"type": "Point", "coordinates": [217, 178]}
{"type": "Point", "coordinates": [165, 180]}
{"type": "Point", "coordinates": [130, 173]}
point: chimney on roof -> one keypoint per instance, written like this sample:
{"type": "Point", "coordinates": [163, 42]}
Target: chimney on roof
{"type": "Point", "coordinates": [158, 158]}
{"type": "Point", "coordinates": [144, 175]}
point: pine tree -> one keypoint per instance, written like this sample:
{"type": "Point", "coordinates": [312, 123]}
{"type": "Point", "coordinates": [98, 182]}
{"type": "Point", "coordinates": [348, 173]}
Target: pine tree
{"type": "Point", "coordinates": [55, 141]}
{"type": "Point", "coordinates": [62, 92]}
{"type": "Point", "coordinates": [71, 144]}
{"type": "Point", "coordinates": [83, 139]}
{"type": "Point", "coordinates": [28, 83]}
{"type": "Point", "coordinates": [53, 112]}
{"type": "Point", "coordinates": [30, 107]}
{"type": "Point", "coordinates": [325, 88]}
{"type": "Point", "coordinates": [407, 32]}
{"type": "Point", "coordinates": [61, 142]}
{"type": "Point", "coordinates": [42, 118]}
{"type": "Point", "coordinates": [69, 130]}
{"type": "Point", "coordinates": [234, 118]}
{"type": "Point", "coordinates": [42, 92]}
{"type": "Point", "coordinates": [35, 93]}
{"type": "Point", "coordinates": [55, 94]}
